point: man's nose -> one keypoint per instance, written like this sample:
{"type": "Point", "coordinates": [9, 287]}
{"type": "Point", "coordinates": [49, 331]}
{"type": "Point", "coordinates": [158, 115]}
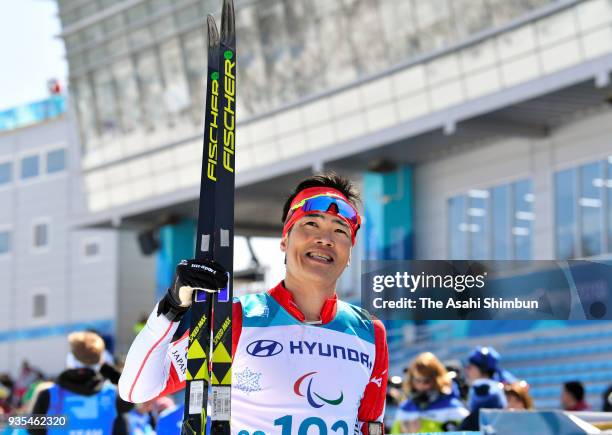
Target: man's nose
{"type": "Point", "coordinates": [325, 238]}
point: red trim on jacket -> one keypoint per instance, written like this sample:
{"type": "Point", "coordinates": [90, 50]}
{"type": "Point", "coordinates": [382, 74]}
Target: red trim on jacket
{"type": "Point", "coordinates": [285, 299]}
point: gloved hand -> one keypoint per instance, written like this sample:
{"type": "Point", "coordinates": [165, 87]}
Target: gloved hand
{"type": "Point", "coordinates": [191, 275]}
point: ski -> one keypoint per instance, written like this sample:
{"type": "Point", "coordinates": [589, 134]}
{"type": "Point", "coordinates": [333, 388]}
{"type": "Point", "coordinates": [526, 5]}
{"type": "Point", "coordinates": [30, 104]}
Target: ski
{"type": "Point", "coordinates": [215, 234]}
{"type": "Point", "coordinates": [221, 374]}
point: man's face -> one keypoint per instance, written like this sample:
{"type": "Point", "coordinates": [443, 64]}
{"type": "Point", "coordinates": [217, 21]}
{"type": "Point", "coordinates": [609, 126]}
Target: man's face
{"type": "Point", "coordinates": [567, 400]}
{"type": "Point", "coordinates": [318, 248]}
{"type": "Point", "coordinates": [472, 373]}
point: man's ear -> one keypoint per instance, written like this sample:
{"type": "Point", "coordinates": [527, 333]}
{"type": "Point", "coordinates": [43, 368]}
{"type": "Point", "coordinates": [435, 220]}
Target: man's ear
{"type": "Point", "coordinates": [348, 263]}
{"type": "Point", "coordinates": [283, 244]}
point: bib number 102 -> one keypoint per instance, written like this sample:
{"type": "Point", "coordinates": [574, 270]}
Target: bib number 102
{"type": "Point", "coordinates": [286, 424]}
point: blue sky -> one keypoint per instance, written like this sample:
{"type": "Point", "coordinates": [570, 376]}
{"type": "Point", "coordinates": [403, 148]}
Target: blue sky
{"type": "Point", "coordinates": [31, 52]}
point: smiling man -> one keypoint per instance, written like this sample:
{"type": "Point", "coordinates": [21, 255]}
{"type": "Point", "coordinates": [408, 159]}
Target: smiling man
{"type": "Point", "coordinates": [304, 362]}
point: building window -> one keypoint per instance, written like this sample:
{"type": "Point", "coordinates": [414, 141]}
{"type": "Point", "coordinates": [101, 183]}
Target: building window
{"type": "Point", "coordinates": [500, 222]}
{"type": "Point", "coordinates": [56, 161]}
{"type": "Point", "coordinates": [40, 235]}
{"type": "Point", "coordinates": [29, 167]}
{"type": "Point", "coordinates": [457, 228]}
{"type": "Point", "coordinates": [565, 216]}
{"type": "Point", "coordinates": [90, 250]}
{"type": "Point", "coordinates": [583, 210]}
{"type": "Point", "coordinates": [6, 172]}
{"type": "Point", "coordinates": [39, 305]}
{"type": "Point", "coordinates": [494, 223]}
{"type": "Point", "coordinates": [5, 242]}
{"type": "Point", "coordinates": [523, 220]}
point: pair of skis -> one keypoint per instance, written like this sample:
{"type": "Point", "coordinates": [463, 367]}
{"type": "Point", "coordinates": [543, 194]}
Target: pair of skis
{"type": "Point", "coordinates": [215, 237]}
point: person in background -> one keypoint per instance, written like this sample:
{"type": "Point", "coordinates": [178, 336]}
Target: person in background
{"type": "Point", "coordinates": [517, 396]}
{"type": "Point", "coordinates": [6, 391]}
{"type": "Point", "coordinates": [27, 376]}
{"type": "Point", "coordinates": [482, 374]}
{"type": "Point", "coordinates": [431, 405]}
{"type": "Point", "coordinates": [607, 400]}
{"type": "Point", "coordinates": [140, 420]}
{"type": "Point", "coordinates": [170, 420]}
{"type": "Point", "coordinates": [572, 397]}
{"type": "Point", "coordinates": [81, 392]}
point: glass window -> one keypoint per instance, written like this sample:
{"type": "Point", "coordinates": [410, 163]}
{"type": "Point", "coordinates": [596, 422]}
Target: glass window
{"type": "Point", "coordinates": [492, 224]}
{"type": "Point", "coordinates": [113, 23]}
{"type": "Point", "coordinates": [176, 94]}
{"type": "Point", "coordinates": [523, 220]}
{"type": "Point", "coordinates": [458, 228]}
{"type": "Point", "coordinates": [29, 167]}
{"type": "Point", "coordinates": [565, 215]}
{"type": "Point", "coordinates": [188, 15]}
{"type": "Point", "coordinates": [40, 235]}
{"type": "Point", "coordinates": [91, 249]}
{"type": "Point", "coordinates": [500, 222]}
{"type": "Point", "coordinates": [85, 109]}
{"type": "Point", "coordinates": [128, 96]}
{"type": "Point", "coordinates": [106, 101]}
{"type": "Point", "coordinates": [477, 224]}
{"type": "Point", "coordinates": [138, 13]}
{"type": "Point", "coordinates": [151, 89]}
{"type": "Point", "coordinates": [140, 37]}
{"type": "Point", "coordinates": [608, 185]}
{"type": "Point", "coordinates": [193, 43]}
{"type": "Point", "coordinates": [5, 242]}
{"type": "Point", "coordinates": [591, 209]}
{"type": "Point", "coordinates": [6, 172]}
{"type": "Point", "coordinates": [39, 305]}
{"type": "Point", "coordinates": [56, 161]}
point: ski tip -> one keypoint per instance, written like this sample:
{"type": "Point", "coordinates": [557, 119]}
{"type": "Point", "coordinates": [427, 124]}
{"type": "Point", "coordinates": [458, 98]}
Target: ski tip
{"type": "Point", "coordinates": [213, 33]}
{"type": "Point", "coordinates": [228, 23]}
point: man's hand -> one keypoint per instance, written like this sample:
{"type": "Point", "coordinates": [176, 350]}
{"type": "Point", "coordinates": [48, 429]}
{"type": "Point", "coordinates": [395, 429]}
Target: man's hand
{"type": "Point", "coordinates": [191, 275]}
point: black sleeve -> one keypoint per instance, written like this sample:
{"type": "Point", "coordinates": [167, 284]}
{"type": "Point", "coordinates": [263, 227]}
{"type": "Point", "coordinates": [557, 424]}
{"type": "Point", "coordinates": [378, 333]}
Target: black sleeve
{"type": "Point", "coordinates": [110, 373]}
{"type": "Point", "coordinates": [122, 406]}
{"type": "Point", "coordinates": [41, 406]}
{"type": "Point", "coordinates": [121, 425]}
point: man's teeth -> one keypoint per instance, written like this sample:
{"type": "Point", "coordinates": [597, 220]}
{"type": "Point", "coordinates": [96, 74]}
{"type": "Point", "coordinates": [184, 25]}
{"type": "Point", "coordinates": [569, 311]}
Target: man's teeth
{"type": "Point", "coordinates": [323, 257]}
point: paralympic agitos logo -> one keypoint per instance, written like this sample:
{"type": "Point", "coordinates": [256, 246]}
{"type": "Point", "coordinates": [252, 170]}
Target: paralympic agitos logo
{"type": "Point", "coordinates": [311, 396]}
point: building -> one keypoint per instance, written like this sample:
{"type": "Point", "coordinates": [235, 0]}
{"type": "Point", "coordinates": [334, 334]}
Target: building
{"type": "Point", "coordinates": [479, 129]}
{"type": "Point", "coordinates": [55, 280]}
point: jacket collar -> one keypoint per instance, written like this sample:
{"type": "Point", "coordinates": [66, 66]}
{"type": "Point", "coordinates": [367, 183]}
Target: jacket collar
{"type": "Point", "coordinates": [285, 299]}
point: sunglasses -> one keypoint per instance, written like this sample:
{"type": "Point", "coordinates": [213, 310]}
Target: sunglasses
{"type": "Point", "coordinates": [326, 204]}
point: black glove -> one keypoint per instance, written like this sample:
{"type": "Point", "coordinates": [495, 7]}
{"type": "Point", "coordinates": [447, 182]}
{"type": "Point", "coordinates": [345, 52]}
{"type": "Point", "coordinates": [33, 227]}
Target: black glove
{"type": "Point", "coordinates": [190, 275]}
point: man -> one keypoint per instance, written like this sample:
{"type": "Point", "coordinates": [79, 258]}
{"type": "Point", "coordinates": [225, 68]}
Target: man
{"type": "Point", "coordinates": [81, 393]}
{"type": "Point", "coordinates": [302, 358]}
{"type": "Point", "coordinates": [572, 397]}
{"type": "Point", "coordinates": [482, 374]}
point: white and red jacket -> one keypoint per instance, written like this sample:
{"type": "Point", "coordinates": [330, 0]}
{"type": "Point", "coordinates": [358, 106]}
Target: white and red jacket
{"type": "Point", "coordinates": [288, 377]}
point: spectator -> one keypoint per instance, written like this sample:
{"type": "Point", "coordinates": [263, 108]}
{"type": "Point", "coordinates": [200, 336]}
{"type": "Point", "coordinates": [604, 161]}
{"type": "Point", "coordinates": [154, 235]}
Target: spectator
{"type": "Point", "coordinates": [6, 391]}
{"type": "Point", "coordinates": [485, 391]}
{"type": "Point", "coordinates": [517, 396]}
{"type": "Point", "coordinates": [607, 400]}
{"type": "Point", "coordinates": [140, 420]}
{"type": "Point", "coordinates": [27, 376]}
{"type": "Point", "coordinates": [81, 392]}
{"type": "Point", "coordinates": [170, 421]}
{"type": "Point", "coordinates": [572, 397]}
{"type": "Point", "coordinates": [431, 406]}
